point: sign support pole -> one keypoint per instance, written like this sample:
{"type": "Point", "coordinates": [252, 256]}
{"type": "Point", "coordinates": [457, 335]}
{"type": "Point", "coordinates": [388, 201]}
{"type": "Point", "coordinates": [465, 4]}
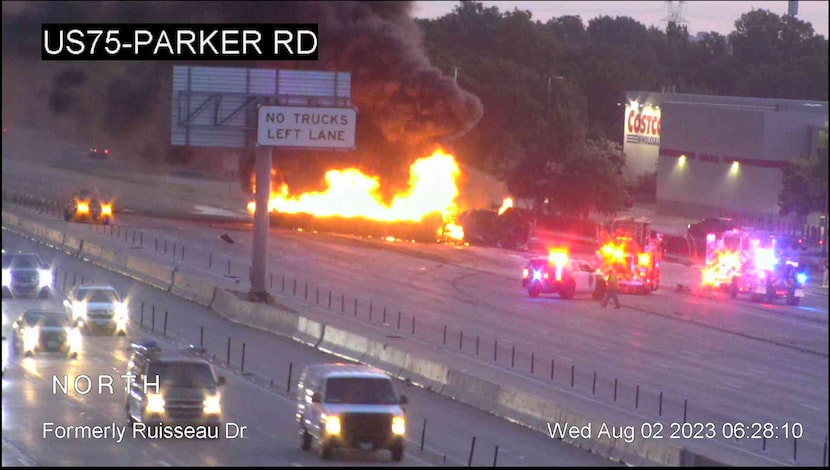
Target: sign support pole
{"type": "Point", "coordinates": [259, 255]}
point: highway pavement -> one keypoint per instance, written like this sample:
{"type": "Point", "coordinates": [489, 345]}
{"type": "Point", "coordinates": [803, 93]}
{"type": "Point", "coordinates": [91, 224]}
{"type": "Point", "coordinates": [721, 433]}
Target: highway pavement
{"type": "Point", "coordinates": [255, 398]}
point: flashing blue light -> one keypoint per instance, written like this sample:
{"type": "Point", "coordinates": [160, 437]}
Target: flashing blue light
{"type": "Point", "coordinates": [537, 275]}
{"type": "Point", "coordinates": [801, 278]}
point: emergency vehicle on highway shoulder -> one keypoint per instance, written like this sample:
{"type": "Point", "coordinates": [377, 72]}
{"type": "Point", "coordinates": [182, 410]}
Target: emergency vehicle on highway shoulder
{"type": "Point", "coordinates": [726, 254]}
{"type": "Point", "coordinates": [767, 273]}
{"type": "Point", "coordinates": [633, 251]}
{"type": "Point", "coordinates": [558, 273]}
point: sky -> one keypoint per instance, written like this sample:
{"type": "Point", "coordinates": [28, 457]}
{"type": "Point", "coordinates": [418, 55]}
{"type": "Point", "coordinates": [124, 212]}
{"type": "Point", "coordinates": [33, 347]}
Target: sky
{"type": "Point", "coordinates": [701, 16]}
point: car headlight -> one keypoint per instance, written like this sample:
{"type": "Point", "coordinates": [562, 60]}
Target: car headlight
{"type": "Point", "coordinates": [73, 335]}
{"type": "Point", "coordinates": [212, 405]}
{"type": "Point", "coordinates": [106, 209]}
{"type": "Point", "coordinates": [121, 310]}
{"type": "Point", "coordinates": [79, 310]}
{"type": "Point", "coordinates": [7, 277]}
{"type": "Point", "coordinates": [45, 277]}
{"type": "Point", "coordinates": [83, 207]}
{"type": "Point", "coordinates": [155, 403]}
{"type": "Point", "coordinates": [399, 425]}
{"type": "Point", "coordinates": [333, 425]}
{"type": "Point", "coordinates": [31, 336]}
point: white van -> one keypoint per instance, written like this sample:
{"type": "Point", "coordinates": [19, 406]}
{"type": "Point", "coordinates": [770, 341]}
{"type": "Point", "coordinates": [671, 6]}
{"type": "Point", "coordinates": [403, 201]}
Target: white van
{"type": "Point", "coordinates": [350, 406]}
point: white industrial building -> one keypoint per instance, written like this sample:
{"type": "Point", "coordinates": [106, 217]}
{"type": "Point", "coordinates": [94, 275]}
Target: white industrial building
{"type": "Point", "coordinates": [719, 155]}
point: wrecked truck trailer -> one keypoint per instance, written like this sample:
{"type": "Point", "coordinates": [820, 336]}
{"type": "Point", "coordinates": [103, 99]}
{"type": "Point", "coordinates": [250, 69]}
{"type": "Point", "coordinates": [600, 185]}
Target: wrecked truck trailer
{"type": "Point", "coordinates": [425, 231]}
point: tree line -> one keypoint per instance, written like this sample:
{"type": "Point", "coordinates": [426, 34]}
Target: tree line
{"type": "Point", "coordinates": [554, 91]}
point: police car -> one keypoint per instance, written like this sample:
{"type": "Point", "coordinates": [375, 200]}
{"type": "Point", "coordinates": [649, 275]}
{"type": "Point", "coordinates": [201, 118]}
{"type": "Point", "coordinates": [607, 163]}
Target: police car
{"type": "Point", "coordinates": [558, 273]}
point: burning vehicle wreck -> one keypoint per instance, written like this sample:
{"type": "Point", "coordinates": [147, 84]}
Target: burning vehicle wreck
{"type": "Point", "coordinates": [427, 211]}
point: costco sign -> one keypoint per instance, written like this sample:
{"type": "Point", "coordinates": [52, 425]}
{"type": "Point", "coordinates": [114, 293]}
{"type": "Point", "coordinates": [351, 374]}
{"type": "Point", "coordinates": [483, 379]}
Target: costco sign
{"type": "Point", "coordinates": [642, 124]}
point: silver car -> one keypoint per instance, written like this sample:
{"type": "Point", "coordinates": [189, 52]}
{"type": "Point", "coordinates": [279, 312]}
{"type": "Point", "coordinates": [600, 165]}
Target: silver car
{"type": "Point", "coordinates": [350, 406]}
{"type": "Point", "coordinates": [98, 308]}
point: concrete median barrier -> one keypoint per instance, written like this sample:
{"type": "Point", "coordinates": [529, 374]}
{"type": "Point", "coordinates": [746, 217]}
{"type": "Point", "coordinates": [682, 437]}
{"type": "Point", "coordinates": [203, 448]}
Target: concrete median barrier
{"type": "Point", "coordinates": [344, 343]}
{"type": "Point", "coordinates": [386, 357]}
{"type": "Point", "coordinates": [268, 318]}
{"type": "Point", "coordinates": [525, 407]}
{"type": "Point", "coordinates": [33, 228]}
{"type": "Point", "coordinates": [91, 251]}
{"type": "Point", "coordinates": [431, 375]}
{"type": "Point", "coordinates": [192, 288]}
{"type": "Point", "coordinates": [56, 237]}
{"type": "Point", "coordinates": [309, 332]}
{"type": "Point", "coordinates": [10, 220]}
{"type": "Point", "coordinates": [149, 272]}
{"type": "Point", "coordinates": [466, 388]}
{"type": "Point", "coordinates": [72, 244]}
{"type": "Point", "coordinates": [114, 257]}
{"type": "Point", "coordinates": [224, 303]}
{"type": "Point", "coordinates": [261, 316]}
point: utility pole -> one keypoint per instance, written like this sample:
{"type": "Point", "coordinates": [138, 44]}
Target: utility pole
{"type": "Point", "coordinates": [455, 74]}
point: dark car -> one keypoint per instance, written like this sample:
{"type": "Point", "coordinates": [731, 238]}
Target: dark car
{"type": "Point", "coordinates": [24, 274]}
{"type": "Point", "coordinates": [99, 152]}
{"type": "Point", "coordinates": [88, 206]}
{"type": "Point", "coordinates": [47, 331]}
{"type": "Point", "coordinates": [790, 242]}
{"type": "Point", "coordinates": [172, 388]}
{"type": "Point", "coordinates": [699, 230]}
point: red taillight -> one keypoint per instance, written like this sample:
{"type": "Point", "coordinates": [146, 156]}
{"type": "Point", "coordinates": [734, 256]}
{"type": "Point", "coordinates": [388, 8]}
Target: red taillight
{"type": "Point", "coordinates": [107, 151]}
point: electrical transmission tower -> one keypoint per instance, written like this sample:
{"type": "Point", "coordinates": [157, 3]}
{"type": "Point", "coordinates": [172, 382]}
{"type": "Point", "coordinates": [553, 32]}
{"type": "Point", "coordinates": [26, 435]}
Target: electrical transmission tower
{"type": "Point", "coordinates": [674, 13]}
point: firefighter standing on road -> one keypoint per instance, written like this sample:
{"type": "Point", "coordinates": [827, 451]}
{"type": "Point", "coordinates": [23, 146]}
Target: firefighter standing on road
{"type": "Point", "coordinates": [612, 289]}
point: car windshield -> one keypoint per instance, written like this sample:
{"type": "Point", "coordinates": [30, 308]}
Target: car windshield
{"type": "Point", "coordinates": [360, 391]}
{"type": "Point", "coordinates": [183, 374]}
{"type": "Point", "coordinates": [54, 320]}
{"type": "Point", "coordinates": [34, 317]}
{"type": "Point", "coordinates": [98, 295]}
{"type": "Point", "coordinates": [21, 262]}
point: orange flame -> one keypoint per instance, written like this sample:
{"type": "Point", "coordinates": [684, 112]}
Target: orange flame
{"type": "Point", "coordinates": [453, 231]}
{"type": "Point", "coordinates": [506, 204]}
{"type": "Point", "coordinates": [350, 193]}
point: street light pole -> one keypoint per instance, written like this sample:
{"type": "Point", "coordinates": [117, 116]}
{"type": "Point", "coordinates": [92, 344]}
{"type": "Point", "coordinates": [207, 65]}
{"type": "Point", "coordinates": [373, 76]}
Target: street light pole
{"type": "Point", "coordinates": [547, 100]}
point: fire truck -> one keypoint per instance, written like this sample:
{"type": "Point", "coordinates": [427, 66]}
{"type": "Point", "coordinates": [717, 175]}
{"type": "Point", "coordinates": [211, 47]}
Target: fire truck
{"type": "Point", "coordinates": [766, 275]}
{"type": "Point", "coordinates": [726, 254]}
{"type": "Point", "coordinates": [634, 252]}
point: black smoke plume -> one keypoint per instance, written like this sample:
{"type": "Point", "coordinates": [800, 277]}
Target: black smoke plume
{"type": "Point", "coordinates": [405, 104]}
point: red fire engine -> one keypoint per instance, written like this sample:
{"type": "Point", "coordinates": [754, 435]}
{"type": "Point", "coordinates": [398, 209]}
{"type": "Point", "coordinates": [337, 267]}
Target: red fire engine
{"type": "Point", "coordinates": [765, 275]}
{"type": "Point", "coordinates": [726, 254]}
{"type": "Point", "coordinates": [634, 251]}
